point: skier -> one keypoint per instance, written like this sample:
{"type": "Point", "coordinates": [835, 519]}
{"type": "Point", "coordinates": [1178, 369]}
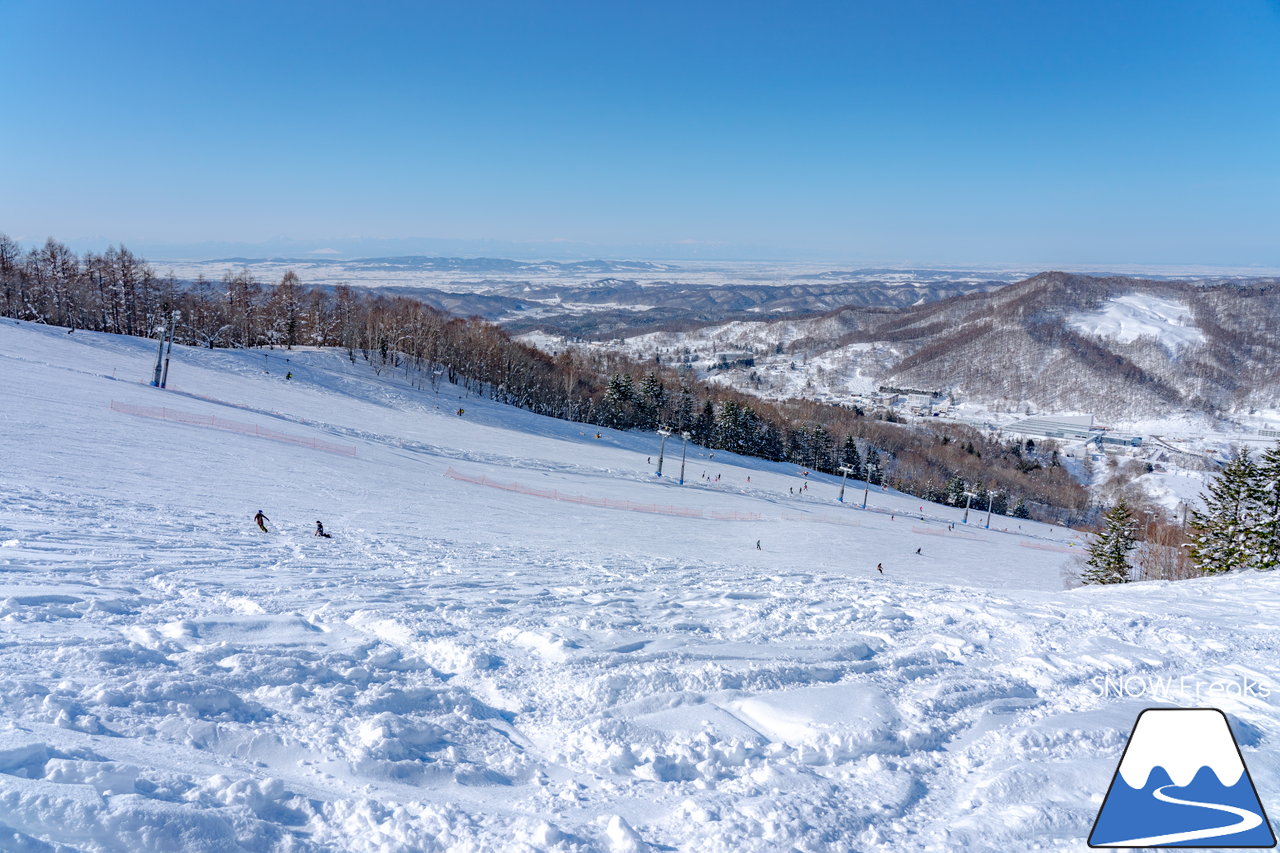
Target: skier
{"type": "Point", "coordinates": [918, 551]}
{"type": "Point", "coordinates": [879, 568]}
{"type": "Point", "coordinates": [460, 411]}
{"type": "Point", "coordinates": [262, 521]}
{"type": "Point", "coordinates": [758, 548]}
{"type": "Point", "coordinates": [289, 375]}
{"type": "Point", "coordinates": [320, 531]}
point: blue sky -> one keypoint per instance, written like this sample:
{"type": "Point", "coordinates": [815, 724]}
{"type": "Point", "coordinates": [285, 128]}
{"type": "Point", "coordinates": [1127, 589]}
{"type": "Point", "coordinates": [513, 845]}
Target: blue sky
{"type": "Point", "coordinates": [1023, 133]}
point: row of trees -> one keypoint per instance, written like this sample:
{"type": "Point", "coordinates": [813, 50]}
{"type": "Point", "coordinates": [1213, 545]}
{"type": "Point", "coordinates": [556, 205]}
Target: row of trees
{"type": "Point", "coordinates": [1238, 529]}
{"type": "Point", "coordinates": [117, 292]}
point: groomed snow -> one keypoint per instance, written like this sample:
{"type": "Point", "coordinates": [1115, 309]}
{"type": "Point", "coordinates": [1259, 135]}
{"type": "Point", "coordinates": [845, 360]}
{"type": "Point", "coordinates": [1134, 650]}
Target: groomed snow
{"type": "Point", "coordinates": [471, 667]}
{"type": "Point", "coordinates": [1134, 315]}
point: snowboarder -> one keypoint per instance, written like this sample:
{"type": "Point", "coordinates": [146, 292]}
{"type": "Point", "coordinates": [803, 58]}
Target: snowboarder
{"type": "Point", "coordinates": [918, 551]}
{"type": "Point", "coordinates": [879, 568]}
{"type": "Point", "coordinates": [460, 411]}
{"type": "Point", "coordinates": [262, 521]}
{"type": "Point", "coordinates": [320, 530]}
{"type": "Point", "coordinates": [289, 375]}
{"type": "Point", "coordinates": [758, 545]}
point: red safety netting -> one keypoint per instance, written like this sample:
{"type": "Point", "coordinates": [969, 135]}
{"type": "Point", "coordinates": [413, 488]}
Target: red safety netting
{"type": "Point", "coordinates": [609, 503]}
{"type": "Point", "coordinates": [1040, 546]}
{"type": "Point", "coordinates": [216, 422]}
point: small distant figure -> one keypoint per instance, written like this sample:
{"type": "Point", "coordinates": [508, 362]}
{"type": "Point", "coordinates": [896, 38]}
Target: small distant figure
{"type": "Point", "coordinates": [648, 460]}
{"type": "Point", "coordinates": [917, 550]}
{"type": "Point", "coordinates": [758, 548]}
{"type": "Point", "coordinates": [891, 517]}
{"type": "Point", "coordinates": [320, 531]}
{"type": "Point", "coordinates": [790, 490]}
{"type": "Point", "coordinates": [748, 479]}
{"type": "Point", "coordinates": [461, 411]}
{"type": "Point", "coordinates": [262, 521]}
{"type": "Point", "coordinates": [289, 375]}
{"type": "Point", "coordinates": [597, 435]}
{"type": "Point", "coordinates": [879, 568]}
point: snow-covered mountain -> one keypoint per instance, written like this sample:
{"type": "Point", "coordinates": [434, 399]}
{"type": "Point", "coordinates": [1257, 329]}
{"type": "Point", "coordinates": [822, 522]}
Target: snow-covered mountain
{"type": "Point", "coordinates": [519, 638]}
{"type": "Point", "coordinates": [1121, 348]}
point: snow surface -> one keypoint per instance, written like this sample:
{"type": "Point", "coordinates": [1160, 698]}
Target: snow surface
{"type": "Point", "coordinates": [483, 660]}
{"type": "Point", "coordinates": [1135, 315]}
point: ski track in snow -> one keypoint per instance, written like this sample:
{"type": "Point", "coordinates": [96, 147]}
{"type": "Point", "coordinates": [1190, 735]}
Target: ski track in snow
{"type": "Point", "coordinates": [464, 668]}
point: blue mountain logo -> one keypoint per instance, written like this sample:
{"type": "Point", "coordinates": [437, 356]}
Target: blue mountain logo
{"type": "Point", "coordinates": [1182, 782]}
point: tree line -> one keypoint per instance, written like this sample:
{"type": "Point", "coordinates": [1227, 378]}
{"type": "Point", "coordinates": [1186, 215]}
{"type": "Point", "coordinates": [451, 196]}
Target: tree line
{"type": "Point", "coordinates": [116, 291]}
{"type": "Point", "coordinates": [1237, 529]}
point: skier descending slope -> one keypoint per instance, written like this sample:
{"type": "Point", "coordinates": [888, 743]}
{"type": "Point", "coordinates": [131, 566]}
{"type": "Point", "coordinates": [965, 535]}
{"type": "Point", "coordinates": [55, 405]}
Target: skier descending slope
{"type": "Point", "coordinates": [262, 521]}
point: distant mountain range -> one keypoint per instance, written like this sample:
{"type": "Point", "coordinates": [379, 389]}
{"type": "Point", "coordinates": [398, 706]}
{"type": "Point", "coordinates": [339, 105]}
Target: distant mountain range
{"type": "Point", "coordinates": [1118, 347]}
{"type": "Point", "coordinates": [465, 265]}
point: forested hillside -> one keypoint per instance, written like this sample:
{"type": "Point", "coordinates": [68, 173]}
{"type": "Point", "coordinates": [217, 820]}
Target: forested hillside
{"type": "Point", "coordinates": [116, 291]}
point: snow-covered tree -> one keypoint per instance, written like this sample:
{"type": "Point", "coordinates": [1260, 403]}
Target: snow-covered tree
{"type": "Point", "coordinates": [1223, 536]}
{"type": "Point", "coordinates": [1265, 530]}
{"type": "Point", "coordinates": [1108, 560]}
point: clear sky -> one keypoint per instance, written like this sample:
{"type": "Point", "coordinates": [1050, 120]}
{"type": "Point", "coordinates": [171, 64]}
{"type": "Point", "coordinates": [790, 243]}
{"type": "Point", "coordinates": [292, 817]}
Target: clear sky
{"type": "Point", "coordinates": [896, 131]}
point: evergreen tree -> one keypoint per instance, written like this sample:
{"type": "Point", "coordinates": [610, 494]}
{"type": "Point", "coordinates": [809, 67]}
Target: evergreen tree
{"type": "Point", "coordinates": [617, 404]}
{"type": "Point", "coordinates": [1020, 510]}
{"type": "Point", "coordinates": [1109, 551]}
{"type": "Point", "coordinates": [955, 492]}
{"type": "Point", "coordinates": [684, 409]}
{"type": "Point", "coordinates": [1265, 530]}
{"type": "Point", "coordinates": [873, 466]}
{"type": "Point", "coordinates": [849, 456]}
{"type": "Point", "coordinates": [651, 406]}
{"type": "Point", "coordinates": [1223, 533]}
{"type": "Point", "coordinates": [705, 424]}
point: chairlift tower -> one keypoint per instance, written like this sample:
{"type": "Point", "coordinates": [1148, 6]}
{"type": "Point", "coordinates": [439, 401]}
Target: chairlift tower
{"type": "Point", "coordinates": [845, 471]}
{"type": "Point", "coordinates": [683, 453]}
{"type": "Point", "coordinates": [665, 433]}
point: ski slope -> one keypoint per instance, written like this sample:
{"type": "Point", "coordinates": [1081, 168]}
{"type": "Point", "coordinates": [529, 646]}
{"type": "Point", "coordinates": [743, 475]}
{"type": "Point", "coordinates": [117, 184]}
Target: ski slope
{"type": "Point", "coordinates": [520, 639]}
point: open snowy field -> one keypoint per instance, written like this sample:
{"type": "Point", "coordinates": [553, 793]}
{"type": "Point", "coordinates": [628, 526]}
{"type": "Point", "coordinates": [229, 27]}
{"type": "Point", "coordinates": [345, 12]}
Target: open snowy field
{"type": "Point", "coordinates": [519, 639]}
